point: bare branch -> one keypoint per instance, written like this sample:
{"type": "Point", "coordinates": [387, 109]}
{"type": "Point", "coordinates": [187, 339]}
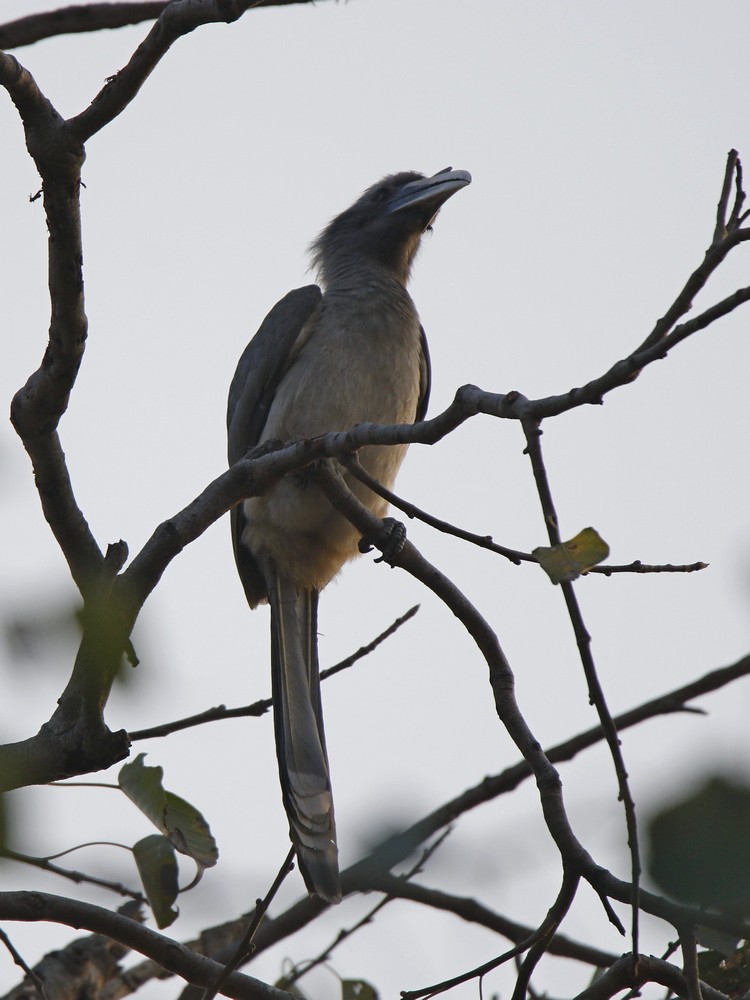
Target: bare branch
{"type": "Point", "coordinates": [175, 20]}
{"type": "Point", "coordinates": [172, 956]}
{"type": "Point", "coordinates": [71, 20]}
{"type": "Point", "coordinates": [246, 947]}
{"type": "Point", "coordinates": [502, 682]}
{"type": "Point", "coordinates": [720, 230]}
{"type": "Point", "coordinates": [536, 943]}
{"type": "Point", "coordinates": [353, 465]}
{"type": "Point", "coordinates": [533, 434]}
{"type": "Point", "coordinates": [547, 930]}
{"type": "Point", "coordinates": [92, 17]}
{"type": "Point", "coordinates": [347, 932]}
{"type": "Point", "coordinates": [398, 847]}
{"type": "Point", "coordinates": [372, 872]}
{"type": "Point", "coordinates": [649, 970]}
{"type": "Point", "coordinates": [516, 556]}
{"type": "Point", "coordinates": [30, 974]}
{"type": "Point", "coordinates": [638, 567]}
{"type": "Point", "coordinates": [725, 238]}
{"type": "Point", "coordinates": [260, 707]}
{"type": "Point", "coordinates": [37, 407]}
{"type": "Point", "coordinates": [46, 864]}
{"type": "Point", "coordinates": [475, 913]}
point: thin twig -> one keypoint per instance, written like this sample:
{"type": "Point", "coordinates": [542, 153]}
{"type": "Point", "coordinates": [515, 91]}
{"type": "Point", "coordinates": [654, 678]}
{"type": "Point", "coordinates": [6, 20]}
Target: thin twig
{"type": "Point", "coordinates": [516, 556]}
{"type": "Point", "coordinates": [720, 231]}
{"type": "Point", "coordinates": [638, 567]}
{"type": "Point", "coordinates": [262, 706]}
{"type": "Point", "coordinates": [540, 935]}
{"type": "Point", "coordinates": [44, 864]}
{"type": "Point", "coordinates": [353, 464]}
{"type": "Point", "coordinates": [34, 979]}
{"type": "Point", "coordinates": [532, 432]}
{"type": "Point", "coordinates": [557, 913]}
{"type": "Point", "coordinates": [245, 947]}
{"type": "Point", "coordinates": [472, 911]}
{"type": "Point", "coordinates": [502, 681]}
{"type": "Point", "coordinates": [347, 932]}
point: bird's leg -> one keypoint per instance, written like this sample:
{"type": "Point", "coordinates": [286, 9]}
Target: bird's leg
{"type": "Point", "coordinates": [390, 543]}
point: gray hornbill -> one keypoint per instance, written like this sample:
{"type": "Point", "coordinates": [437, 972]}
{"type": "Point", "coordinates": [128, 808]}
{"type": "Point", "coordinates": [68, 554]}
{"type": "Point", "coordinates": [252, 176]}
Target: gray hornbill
{"type": "Point", "coordinates": [325, 361]}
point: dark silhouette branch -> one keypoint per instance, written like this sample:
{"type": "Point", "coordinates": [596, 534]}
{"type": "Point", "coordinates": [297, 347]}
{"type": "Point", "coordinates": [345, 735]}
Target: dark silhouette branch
{"type": "Point", "coordinates": [47, 865]}
{"type": "Point", "coordinates": [533, 433]}
{"type": "Point", "coordinates": [535, 943]}
{"type": "Point", "coordinates": [540, 946]}
{"type": "Point", "coordinates": [262, 706]}
{"type": "Point", "coordinates": [37, 407]}
{"type": "Point", "coordinates": [57, 150]}
{"type": "Point", "coordinates": [93, 17]}
{"type": "Point", "coordinates": [175, 20]}
{"type": "Point", "coordinates": [727, 235]}
{"type": "Point", "coordinates": [516, 556]}
{"type": "Point", "coordinates": [172, 956]}
{"type": "Point", "coordinates": [502, 681]}
{"type": "Point", "coordinates": [372, 873]}
{"type": "Point", "coordinates": [474, 912]}
{"type": "Point", "coordinates": [30, 975]}
{"type": "Point", "coordinates": [246, 947]}
{"type": "Point", "coordinates": [72, 20]}
{"type": "Point", "coordinates": [649, 970]}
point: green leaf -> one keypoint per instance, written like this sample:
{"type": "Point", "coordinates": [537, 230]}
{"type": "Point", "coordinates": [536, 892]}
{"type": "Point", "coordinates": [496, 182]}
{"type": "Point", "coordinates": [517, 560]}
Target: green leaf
{"type": "Point", "coordinates": [569, 560]}
{"type": "Point", "coordinates": [181, 823]}
{"type": "Point", "coordinates": [157, 866]}
{"type": "Point", "coordinates": [357, 989]}
{"type": "Point", "coordinates": [699, 849]}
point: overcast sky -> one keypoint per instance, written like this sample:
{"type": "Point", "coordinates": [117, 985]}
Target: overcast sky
{"type": "Point", "coordinates": [596, 134]}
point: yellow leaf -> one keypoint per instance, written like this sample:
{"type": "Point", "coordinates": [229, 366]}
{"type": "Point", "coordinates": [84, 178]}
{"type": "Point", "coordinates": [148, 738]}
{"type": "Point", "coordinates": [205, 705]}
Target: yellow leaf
{"type": "Point", "coordinates": [569, 560]}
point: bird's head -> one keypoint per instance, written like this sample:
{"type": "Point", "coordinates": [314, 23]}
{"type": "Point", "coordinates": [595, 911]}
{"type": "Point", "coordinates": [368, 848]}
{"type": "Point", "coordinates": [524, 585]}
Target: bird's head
{"type": "Point", "coordinates": [385, 225]}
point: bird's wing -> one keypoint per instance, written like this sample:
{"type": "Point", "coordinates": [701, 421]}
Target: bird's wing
{"type": "Point", "coordinates": [425, 378]}
{"type": "Point", "coordinates": [251, 393]}
{"type": "Point", "coordinates": [261, 366]}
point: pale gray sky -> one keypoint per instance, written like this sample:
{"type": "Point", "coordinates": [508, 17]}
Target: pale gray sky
{"type": "Point", "coordinates": [596, 133]}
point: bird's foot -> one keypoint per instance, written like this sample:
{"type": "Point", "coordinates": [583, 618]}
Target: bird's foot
{"type": "Point", "coordinates": [391, 542]}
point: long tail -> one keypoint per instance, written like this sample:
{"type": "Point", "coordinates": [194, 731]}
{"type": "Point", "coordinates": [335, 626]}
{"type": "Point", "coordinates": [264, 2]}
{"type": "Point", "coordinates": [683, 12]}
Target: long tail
{"type": "Point", "coordinates": [300, 740]}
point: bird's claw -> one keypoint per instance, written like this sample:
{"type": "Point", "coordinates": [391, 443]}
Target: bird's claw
{"type": "Point", "coordinates": [392, 542]}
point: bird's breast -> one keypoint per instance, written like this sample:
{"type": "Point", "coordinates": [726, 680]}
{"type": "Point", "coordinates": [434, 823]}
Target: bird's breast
{"type": "Point", "coordinates": [357, 363]}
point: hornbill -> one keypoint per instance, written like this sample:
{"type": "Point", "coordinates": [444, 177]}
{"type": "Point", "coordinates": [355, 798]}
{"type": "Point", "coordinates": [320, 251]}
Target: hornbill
{"type": "Point", "coordinates": [325, 361]}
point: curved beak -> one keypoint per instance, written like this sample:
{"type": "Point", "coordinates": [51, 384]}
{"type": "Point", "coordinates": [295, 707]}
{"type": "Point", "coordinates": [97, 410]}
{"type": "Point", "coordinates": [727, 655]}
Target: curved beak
{"type": "Point", "coordinates": [432, 191]}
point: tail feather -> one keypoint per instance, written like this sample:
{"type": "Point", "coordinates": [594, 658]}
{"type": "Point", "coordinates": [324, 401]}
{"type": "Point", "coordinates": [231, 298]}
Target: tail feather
{"type": "Point", "coordinates": [300, 740]}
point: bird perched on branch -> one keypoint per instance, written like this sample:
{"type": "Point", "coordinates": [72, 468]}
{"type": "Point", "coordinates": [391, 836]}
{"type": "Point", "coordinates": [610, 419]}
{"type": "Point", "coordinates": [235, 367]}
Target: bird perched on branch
{"type": "Point", "coordinates": [324, 361]}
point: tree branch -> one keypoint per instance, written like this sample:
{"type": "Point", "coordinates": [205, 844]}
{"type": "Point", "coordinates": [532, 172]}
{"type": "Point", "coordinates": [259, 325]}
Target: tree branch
{"type": "Point", "coordinates": [536, 943]}
{"type": "Point", "coordinates": [533, 434]}
{"type": "Point", "coordinates": [372, 872]}
{"type": "Point", "coordinates": [37, 407]}
{"type": "Point", "coordinates": [92, 17]}
{"type": "Point", "coordinates": [262, 706]}
{"type": "Point", "coordinates": [576, 858]}
{"type": "Point", "coordinates": [473, 912]}
{"type": "Point", "coordinates": [172, 956]}
{"type": "Point", "coordinates": [650, 970]}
